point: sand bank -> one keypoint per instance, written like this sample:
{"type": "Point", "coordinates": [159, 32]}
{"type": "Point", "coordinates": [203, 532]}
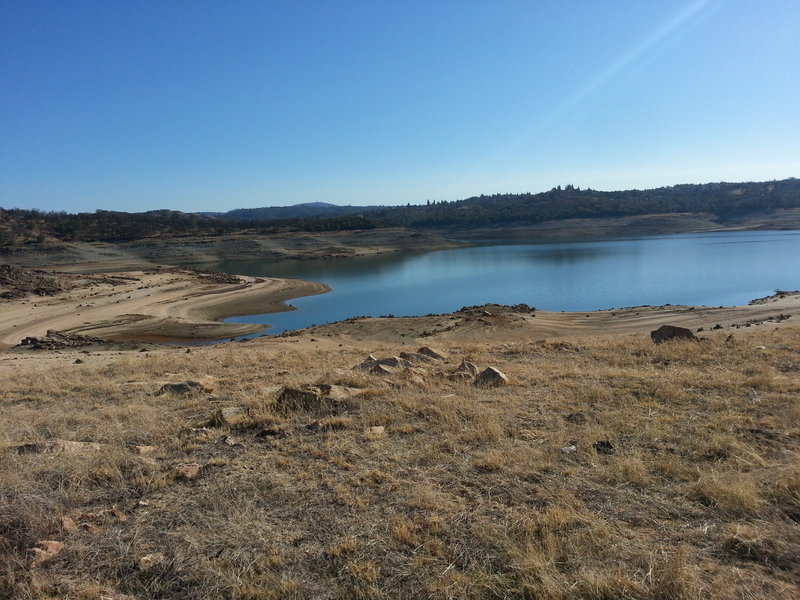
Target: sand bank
{"type": "Point", "coordinates": [495, 323]}
{"type": "Point", "coordinates": [160, 305]}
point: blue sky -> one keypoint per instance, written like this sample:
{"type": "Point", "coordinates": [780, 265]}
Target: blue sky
{"type": "Point", "coordinates": [210, 105]}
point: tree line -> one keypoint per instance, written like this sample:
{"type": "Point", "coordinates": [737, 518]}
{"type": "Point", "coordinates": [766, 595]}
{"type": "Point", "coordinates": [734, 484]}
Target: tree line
{"type": "Point", "coordinates": [723, 200]}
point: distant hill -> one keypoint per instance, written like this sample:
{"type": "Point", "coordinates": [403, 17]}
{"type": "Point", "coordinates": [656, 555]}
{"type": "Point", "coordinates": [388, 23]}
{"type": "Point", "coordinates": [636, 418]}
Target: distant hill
{"type": "Point", "coordinates": [720, 203]}
{"type": "Point", "coordinates": [723, 200]}
{"type": "Point", "coordinates": [308, 210]}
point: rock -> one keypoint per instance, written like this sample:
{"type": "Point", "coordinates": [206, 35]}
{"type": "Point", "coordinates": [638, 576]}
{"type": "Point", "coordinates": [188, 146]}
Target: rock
{"type": "Point", "coordinates": [416, 358]}
{"type": "Point", "coordinates": [316, 397]}
{"type": "Point", "coordinates": [467, 367]}
{"type": "Point", "coordinates": [230, 415]}
{"type": "Point", "coordinates": [571, 449]}
{"type": "Point", "coordinates": [339, 393]}
{"type": "Point", "coordinates": [46, 550]}
{"type": "Point", "coordinates": [375, 433]}
{"type": "Point", "coordinates": [184, 387]}
{"type": "Point", "coordinates": [760, 348]}
{"type": "Point", "coordinates": [666, 333]}
{"type": "Point", "coordinates": [115, 513]}
{"type": "Point", "coordinates": [148, 561]}
{"type": "Point", "coordinates": [55, 340]}
{"type": "Point", "coordinates": [382, 370]}
{"type": "Point", "coordinates": [273, 390]}
{"type": "Point", "coordinates": [430, 352]}
{"type": "Point", "coordinates": [68, 525]}
{"type": "Point", "coordinates": [603, 447]}
{"type": "Point", "coordinates": [299, 399]}
{"type": "Point", "coordinates": [491, 377]}
{"type": "Point", "coordinates": [186, 471]}
{"type": "Point", "coordinates": [78, 361]}
{"type": "Point", "coordinates": [58, 447]}
{"type": "Point", "coordinates": [370, 358]}
{"type": "Point", "coordinates": [394, 361]}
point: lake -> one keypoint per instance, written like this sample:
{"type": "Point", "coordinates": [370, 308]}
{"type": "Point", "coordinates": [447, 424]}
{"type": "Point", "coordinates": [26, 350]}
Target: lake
{"type": "Point", "coordinates": [711, 269]}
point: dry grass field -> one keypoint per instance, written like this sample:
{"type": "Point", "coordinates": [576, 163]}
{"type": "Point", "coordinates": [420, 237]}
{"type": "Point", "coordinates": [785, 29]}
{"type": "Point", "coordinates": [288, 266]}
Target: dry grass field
{"type": "Point", "coordinates": [608, 467]}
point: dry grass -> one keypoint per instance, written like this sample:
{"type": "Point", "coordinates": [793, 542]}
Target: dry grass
{"type": "Point", "coordinates": [465, 493]}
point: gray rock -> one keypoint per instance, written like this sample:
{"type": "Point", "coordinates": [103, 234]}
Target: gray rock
{"type": "Point", "coordinates": [491, 377]}
{"type": "Point", "coordinates": [307, 398]}
{"type": "Point", "coordinates": [230, 415]}
{"type": "Point", "coordinates": [416, 358]}
{"type": "Point", "coordinates": [435, 354]}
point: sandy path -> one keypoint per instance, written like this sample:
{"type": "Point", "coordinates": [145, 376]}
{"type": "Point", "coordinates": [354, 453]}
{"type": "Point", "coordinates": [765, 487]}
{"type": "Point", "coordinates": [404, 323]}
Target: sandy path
{"type": "Point", "coordinates": [151, 306]}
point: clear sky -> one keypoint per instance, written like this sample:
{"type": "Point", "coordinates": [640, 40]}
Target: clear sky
{"type": "Point", "coordinates": [213, 105]}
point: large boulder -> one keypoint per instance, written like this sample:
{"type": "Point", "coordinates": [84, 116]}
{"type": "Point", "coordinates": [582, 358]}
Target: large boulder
{"type": "Point", "coordinates": [665, 333]}
{"type": "Point", "coordinates": [491, 377]}
{"type": "Point", "coordinates": [431, 353]}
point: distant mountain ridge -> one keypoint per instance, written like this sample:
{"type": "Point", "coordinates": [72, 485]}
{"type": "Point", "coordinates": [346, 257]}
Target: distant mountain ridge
{"type": "Point", "coordinates": [722, 200]}
{"type": "Point", "coordinates": [307, 210]}
{"type": "Point", "coordinates": [716, 204]}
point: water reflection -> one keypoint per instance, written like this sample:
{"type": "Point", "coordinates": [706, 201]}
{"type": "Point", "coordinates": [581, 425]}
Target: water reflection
{"type": "Point", "coordinates": [719, 268]}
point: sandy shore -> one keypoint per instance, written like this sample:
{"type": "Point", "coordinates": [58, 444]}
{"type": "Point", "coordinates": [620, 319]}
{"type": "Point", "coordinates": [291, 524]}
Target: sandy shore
{"type": "Point", "coordinates": [161, 305]}
{"type": "Point", "coordinates": [182, 305]}
{"type": "Point", "coordinates": [495, 323]}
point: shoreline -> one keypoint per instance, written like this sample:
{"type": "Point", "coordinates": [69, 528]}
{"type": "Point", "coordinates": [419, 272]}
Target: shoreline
{"type": "Point", "coordinates": [178, 306]}
{"type": "Point", "coordinates": [165, 305]}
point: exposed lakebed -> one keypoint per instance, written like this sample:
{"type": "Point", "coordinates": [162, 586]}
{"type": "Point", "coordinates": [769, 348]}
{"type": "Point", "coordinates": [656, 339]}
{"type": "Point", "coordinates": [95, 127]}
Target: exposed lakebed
{"type": "Point", "coordinates": [728, 268]}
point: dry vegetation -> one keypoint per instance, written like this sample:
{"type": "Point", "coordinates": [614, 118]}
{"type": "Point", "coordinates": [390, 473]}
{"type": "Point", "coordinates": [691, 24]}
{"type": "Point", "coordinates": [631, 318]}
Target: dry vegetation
{"type": "Point", "coordinates": [465, 493]}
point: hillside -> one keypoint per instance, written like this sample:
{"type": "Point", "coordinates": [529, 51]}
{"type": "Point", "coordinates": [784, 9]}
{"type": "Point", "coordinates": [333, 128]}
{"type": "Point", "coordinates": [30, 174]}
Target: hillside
{"type": "Point", "coordinates": [720, 201]}
{"type": "Point", "coordinates": [608, 467]}
{"type": "Point", "coordinates": [711, 206]}
{"type": "Point", "coordinates": [314, 210]}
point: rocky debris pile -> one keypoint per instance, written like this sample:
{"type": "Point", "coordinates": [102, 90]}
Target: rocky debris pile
{"type": "Point", "coordinates": [204, 274]}
{"type": "Point", "coordinates": [415, 368]}
{"type": "Point", "coordinates": [224, 278]}
{"type": "Point", "coordinates": [778, 295]}
{"type": "Point", "coordinates": [666, 333]}
{"type": "Point", "coordinates": [56, 340]}
{"type": "Point", "coordinates": [491, 308]}
{"type": "Point", "coordinates": [24, 282]}
{"type": "Point", "coordinates": [773, 319]}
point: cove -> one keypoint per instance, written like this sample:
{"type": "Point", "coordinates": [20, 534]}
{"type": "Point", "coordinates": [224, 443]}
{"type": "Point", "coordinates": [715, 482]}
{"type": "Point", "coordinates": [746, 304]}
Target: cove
{"type": "Point", "coordinates": [712, 269]}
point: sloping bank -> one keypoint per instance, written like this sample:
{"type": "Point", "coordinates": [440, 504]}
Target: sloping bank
{"type": "Point", "coordinates": [159, 306]}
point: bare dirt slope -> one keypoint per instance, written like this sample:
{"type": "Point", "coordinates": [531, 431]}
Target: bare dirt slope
{"type": "Point", "coordinates": [204, 250]}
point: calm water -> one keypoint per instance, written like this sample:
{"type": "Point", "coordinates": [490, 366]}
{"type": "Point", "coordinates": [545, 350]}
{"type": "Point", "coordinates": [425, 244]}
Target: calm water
{"type": "Point", "coordinates": [702, 269]}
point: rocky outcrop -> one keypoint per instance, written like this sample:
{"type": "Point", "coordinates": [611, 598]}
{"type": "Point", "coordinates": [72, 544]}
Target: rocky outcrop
{"type": "Point", "coordinates": [56, 340]}
{"type": "Point", "coordinates": [666, 333]}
